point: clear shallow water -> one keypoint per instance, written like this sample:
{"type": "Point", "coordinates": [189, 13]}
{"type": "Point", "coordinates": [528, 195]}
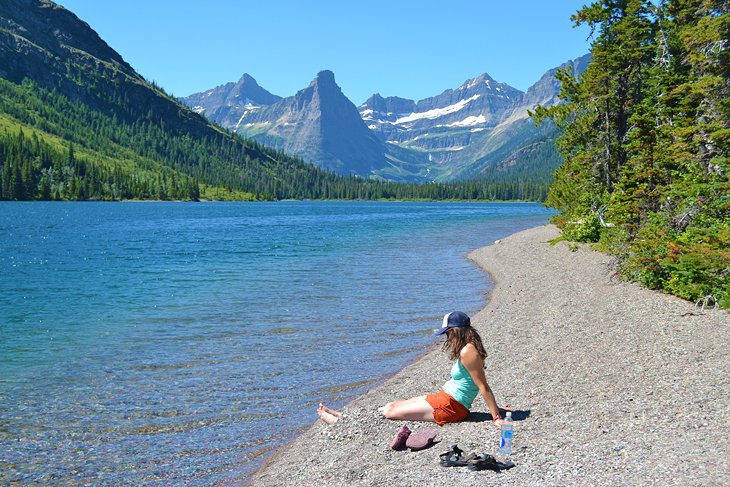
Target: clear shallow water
{"type": "Point", "coordinates": [181, 342]}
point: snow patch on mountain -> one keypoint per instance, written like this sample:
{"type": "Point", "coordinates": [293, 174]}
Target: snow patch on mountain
{"type": "Point", "coordinates": [436, 112]}
{"type": "Point", "coordinates": [467, 122]}
{"type": "Point", "coordinates": [238, 124]}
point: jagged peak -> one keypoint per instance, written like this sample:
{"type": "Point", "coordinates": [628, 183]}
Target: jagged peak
{"type": "Point", "coordinates": [325, 77]}
{"type": "Point", "coordinates": [247, 78]}
{"type": "Point", "coordinates": [483, 78]}
{"type": "Point", "coordinates": [378, 99]}
{"type": "Point", "coordinates": [375, 98]}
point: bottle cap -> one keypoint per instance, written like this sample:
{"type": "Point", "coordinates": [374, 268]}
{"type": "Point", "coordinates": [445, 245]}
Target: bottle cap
{"type": "Point", "coordinates": [509, 414]}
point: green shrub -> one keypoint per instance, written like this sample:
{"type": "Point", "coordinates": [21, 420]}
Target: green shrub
{"type": "Point", "coordinates": [586, 229]}
{"type": "Point", "coordinates": [698, 264]}
{"type": "Point", "coordinates": [692, 264]}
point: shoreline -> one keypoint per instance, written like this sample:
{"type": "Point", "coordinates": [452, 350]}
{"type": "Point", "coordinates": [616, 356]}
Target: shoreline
{"type": "Point", "coordinates": [611, 382]}
{"type": "Point", "coordinates": [289, 200]}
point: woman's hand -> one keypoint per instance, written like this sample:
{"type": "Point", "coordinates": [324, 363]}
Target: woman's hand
{"type": "Point", "coordinates": [498, 419]}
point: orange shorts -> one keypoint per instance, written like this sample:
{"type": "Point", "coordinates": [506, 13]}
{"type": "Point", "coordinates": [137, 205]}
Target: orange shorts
{"type": "Point", "coordinates": [446, 409]}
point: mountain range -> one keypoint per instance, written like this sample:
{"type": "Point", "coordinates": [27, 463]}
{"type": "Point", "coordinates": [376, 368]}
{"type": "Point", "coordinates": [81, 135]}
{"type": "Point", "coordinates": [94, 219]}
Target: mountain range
{"type": "Point", "coordinates": [78, 122]}
{"type": "Point", "coordinates": [476, 130]}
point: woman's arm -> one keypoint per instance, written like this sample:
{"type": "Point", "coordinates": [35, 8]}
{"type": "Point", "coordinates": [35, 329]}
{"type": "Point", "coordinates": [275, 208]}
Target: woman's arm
{"type": "Point", "coordinates": [472, 362]}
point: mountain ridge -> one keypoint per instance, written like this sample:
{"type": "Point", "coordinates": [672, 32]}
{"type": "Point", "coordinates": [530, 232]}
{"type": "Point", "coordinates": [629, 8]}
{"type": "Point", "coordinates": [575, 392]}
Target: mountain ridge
{"type": "Point", "coordinates": [459, 133]}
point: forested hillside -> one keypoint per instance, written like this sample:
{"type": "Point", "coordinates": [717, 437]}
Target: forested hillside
{"type": "Point", "coordinates": [645, 144]}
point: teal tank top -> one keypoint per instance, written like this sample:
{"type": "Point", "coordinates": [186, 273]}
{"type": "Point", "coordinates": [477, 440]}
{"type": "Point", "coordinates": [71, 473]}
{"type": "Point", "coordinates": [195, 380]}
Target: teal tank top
{"type": "Point", "coordinates": [461, 386]}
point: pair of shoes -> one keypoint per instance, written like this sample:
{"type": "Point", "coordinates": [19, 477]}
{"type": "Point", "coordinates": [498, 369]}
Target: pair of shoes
{"type": "Point", "coordinates": [455, 458]}
{"type": "Point", "coordinates": [417, 441]}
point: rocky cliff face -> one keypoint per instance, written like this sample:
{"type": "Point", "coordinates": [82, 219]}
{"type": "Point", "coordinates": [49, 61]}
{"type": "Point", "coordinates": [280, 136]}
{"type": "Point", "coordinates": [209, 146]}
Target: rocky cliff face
{"type": "Point", "coordinates": [25, 26]}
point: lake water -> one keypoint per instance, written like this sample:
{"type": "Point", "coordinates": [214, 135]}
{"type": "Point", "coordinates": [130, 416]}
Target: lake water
{"type": "Point", "coordinates": [183, 342]}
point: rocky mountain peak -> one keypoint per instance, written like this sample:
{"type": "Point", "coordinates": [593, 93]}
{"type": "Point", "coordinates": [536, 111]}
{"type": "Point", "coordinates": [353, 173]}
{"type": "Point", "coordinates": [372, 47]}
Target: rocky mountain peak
{"type": "Point", "coordinates": [376, 101]}
{"type": "Point", "coordinates": [388, 105]}
{"type": "Point", "coordinates": [246, 82]}
{"type": "Point", "coordinates": [323, 88]}
{"type": "Point", "coordinates": [482, 79]}
{"type": "Point", "coordinates": [325, 78]}
{"type": "Point", "coordinates": [545, 91]}
{"type": "Point", "coordinates": [247, 78]}
{"type": "Point", "coordinates": [248, 91]}
{"type": "Point", "coordinates": [226, 103]}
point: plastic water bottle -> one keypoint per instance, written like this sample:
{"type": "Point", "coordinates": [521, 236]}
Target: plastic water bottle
{"type": "Point", "coordinates": [505, 437]}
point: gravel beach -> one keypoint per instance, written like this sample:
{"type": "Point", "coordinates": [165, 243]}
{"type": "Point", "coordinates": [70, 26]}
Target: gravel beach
{"type": "Point", "coordinates": [611, 384]}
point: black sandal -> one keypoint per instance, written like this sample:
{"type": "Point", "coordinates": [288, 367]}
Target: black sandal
{"type": "Point", "coordinates": [488, 462]}
{"type": "Point", "coordinates": [483, 462]}
{"type": "Point", "coordinates": [454, 458]}
{"type": "Point", "coordinates": [505, 465]}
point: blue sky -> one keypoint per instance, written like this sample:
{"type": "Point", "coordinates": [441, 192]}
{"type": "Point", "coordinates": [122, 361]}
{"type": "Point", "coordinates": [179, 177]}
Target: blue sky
{"type": "Point", "coordinates": [412, 49]}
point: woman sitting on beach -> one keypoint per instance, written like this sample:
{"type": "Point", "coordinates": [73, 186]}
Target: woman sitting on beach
{"type": "Point", "coordinates": [452, 403]}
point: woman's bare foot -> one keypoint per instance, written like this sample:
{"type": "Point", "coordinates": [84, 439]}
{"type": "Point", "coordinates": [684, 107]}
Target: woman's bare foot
{"type": "Point", "coordinates": [383, 409]}
{"type": "Point", "coordinates": [330, 410]}
{"type": "Point", "coordinates": [326, 416]}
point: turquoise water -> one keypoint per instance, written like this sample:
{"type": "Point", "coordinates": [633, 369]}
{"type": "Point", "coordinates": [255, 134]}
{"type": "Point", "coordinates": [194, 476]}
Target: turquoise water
{"type": "Point", "coordinates": [182, 342]}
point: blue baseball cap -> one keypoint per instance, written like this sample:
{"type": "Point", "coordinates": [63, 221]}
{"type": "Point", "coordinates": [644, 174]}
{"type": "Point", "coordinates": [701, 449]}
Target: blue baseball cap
{"type": "Point", "coordinates": [453, 320]}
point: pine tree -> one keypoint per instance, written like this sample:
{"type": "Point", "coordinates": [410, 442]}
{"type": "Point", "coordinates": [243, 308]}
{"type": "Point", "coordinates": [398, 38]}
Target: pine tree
{"type": "Point", "coordinates": [645, 135]}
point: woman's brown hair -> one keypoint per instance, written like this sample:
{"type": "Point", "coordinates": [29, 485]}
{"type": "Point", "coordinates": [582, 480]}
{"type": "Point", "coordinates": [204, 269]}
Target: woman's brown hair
{"type": "Point", "coordinates": [458, 337]}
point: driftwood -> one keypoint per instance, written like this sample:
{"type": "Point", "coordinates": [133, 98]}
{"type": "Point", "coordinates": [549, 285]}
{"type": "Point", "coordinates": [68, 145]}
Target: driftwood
{"type": "Point", "coordinates": [705, 302]}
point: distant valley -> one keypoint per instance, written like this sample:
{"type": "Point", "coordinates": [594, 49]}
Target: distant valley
{"type": "Point", "coordinates": [479, 129]}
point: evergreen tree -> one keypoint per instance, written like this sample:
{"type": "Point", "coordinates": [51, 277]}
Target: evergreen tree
{"type": "Point", "coordinates": [645, 135]}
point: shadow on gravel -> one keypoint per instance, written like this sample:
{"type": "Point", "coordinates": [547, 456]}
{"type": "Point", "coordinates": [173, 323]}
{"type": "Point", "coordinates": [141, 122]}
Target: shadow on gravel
{"type": "Point", "coordinates": [517, 415]}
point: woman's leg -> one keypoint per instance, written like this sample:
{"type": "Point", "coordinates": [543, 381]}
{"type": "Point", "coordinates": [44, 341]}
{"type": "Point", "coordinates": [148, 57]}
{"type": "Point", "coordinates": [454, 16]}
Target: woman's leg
{"type": "Point", "coordinates": [416, 409]}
